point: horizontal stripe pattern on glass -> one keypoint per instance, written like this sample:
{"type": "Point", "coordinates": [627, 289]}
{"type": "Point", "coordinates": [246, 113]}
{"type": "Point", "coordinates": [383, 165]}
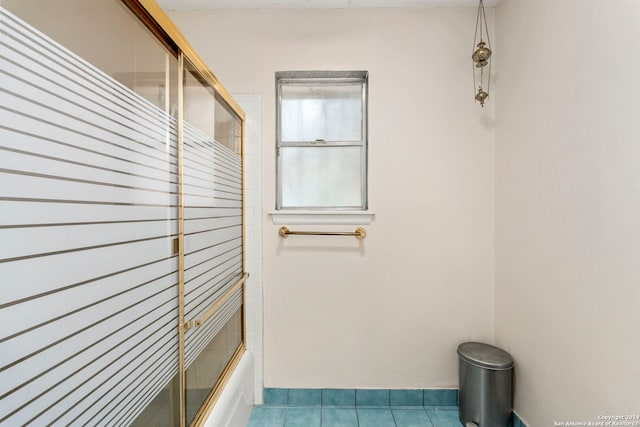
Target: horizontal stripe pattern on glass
{"type": "Point", "coordinates": [213, 233]}
{"type": "Point", "coordinates": [88, 208]}
{"type": "Point", "coordinates": [197, 339]}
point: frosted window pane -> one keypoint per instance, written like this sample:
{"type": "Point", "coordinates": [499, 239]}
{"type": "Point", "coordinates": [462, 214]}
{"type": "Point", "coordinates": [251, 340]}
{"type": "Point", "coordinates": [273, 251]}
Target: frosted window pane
{"type": "Point", "coordinates": [330, 112]}
{"type": "Point", "coordinates": [321, 177]}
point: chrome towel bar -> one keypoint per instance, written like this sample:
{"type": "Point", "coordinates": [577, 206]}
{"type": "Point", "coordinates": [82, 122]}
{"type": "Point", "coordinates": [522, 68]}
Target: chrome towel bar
{"type": "Point", "coordinates": [360, 233]}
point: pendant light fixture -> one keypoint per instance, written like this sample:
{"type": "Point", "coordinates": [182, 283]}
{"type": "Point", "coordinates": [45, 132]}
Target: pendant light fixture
{"type": "Point", "coordinates": [481, 57]}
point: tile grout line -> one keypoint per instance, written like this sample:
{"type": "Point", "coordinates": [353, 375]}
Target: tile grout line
{"type": "Point", "coordinates": [429, 416]}
{"type": "Point", "coordinates": [389, 406]}
{"type": "Point", "coordinates": [393, 417]}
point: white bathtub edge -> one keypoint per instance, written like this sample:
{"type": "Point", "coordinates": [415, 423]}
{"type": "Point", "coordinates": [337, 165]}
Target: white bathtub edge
{"type": "Point", "coordinates": [233, 408]}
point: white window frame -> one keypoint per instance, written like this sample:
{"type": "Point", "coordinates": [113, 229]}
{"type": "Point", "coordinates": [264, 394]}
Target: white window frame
{"type": "Point", "coordinates": [322, 214]}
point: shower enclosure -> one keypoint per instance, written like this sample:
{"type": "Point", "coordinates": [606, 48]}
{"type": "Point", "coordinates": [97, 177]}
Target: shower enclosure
{"type": "Point", "coordinates": [121, 217]}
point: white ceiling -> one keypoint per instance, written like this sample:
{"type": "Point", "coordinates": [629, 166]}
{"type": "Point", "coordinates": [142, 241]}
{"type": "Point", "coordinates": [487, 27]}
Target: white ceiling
{"type": "Point", "coordinates": [312, 4]}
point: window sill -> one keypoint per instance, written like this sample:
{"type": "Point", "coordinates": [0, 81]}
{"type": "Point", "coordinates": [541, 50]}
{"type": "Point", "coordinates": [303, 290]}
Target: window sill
{"type": "Point", "coordinates": [322, 217]}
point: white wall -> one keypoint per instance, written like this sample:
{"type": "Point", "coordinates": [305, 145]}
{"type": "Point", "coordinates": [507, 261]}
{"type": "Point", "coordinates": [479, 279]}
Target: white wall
{"type": "Point", "coordinates": [568, 205]}
{"type": "Point", "coordinates": [390, 311]}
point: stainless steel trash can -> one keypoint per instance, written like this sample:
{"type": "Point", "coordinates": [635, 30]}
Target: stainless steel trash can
{"type": "Point", "coordinates": [485, 381]}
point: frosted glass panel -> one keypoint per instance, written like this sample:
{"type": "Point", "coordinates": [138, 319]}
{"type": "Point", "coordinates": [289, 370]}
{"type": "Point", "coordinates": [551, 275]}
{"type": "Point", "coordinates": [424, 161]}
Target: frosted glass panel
{"type": "Point", "coordinates": [321, 176]}
{"type": "Point", "coordinates": [88, 201]}
{"type": "Point", "coordinates": [89, 206]}
{"type": "Point", "coordinates": [329, 112]}
{"type": "Point", "coordinates": [213, 230]}
{"type": "Point", "coordinates": [212, 211]}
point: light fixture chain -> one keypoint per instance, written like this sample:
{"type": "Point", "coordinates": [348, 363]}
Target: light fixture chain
{"type": "Point", "coordinates": [484, 16]}
{"type": "Point", "coordinates": [489, 73]}
{"type": "Point", "coordinates": [481, 11]}
{"type": "Point", "coordinates": [473, 48]}
{"type": "Point", "coordinates": [475, 33]}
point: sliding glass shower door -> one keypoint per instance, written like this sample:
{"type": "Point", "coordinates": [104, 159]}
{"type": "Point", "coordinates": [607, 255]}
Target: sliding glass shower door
{"type": "Point", "coordinates": [213, 256]}
{"type": "Point", "coordinates": [121, 210]}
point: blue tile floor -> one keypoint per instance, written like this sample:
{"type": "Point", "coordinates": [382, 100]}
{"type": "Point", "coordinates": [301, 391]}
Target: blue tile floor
{"type": "Point", "coordinates": [354, 416]}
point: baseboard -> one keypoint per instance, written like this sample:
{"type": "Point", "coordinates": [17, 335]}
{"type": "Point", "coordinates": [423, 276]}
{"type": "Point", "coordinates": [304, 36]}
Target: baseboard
{"type": "Point", "coordinates": [360, 397]}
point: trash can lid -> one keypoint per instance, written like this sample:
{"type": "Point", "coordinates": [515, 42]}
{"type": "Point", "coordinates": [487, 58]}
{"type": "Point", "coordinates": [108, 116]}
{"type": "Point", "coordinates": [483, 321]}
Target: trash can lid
{"type": "Point", "coordinates": [485, 355]}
